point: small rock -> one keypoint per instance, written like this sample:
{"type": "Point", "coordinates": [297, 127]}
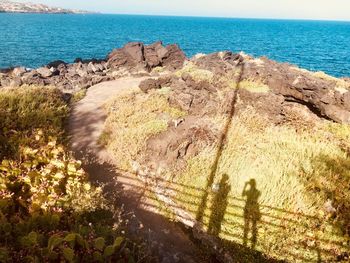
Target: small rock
{"type": "Point", "coordinates": [78, 60]}
{"type": "Point", "coordinates": [18, 72]}
{"type": "Point", "coordinates": [328, 206]}
{"type": "Point", "coordinates": [182, 100]}
{"type": "Point", "coordinates": [44, 72]}
{"type": "Point", "coordinates": [91, 68]}
{"type": "Point", "coordinates": [99, 67]}
{"type": "Point", "coordinates": [16, 82]}
{"type": "Point", "coordinates": [215, 188]}
{"type": "Point", "coordinates": [66, 97]}
{"type": "Point", "coordinates": [56, 63]}
{"type": "Point", "coordinates": [81, 72]}
{"type": "Point", "coordinates": [149, 84]}
{"type": "Point", "coordinates": [54, 71]}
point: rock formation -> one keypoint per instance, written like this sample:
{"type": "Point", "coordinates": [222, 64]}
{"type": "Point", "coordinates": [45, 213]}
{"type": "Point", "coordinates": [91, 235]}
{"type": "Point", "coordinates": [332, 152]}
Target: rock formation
{"type": "Point", "coordinates": [147, 57]}
{"type": "Point", "coordinates": [204, 87]}
{"type": "Point", "coordinates": [276, 91]}
{"type": "Point", "coordinates": [196, 82]}
{"type": "Point", "coordinates": [132, 59]}
{"type": "Point", "coordinates": [323, 95]}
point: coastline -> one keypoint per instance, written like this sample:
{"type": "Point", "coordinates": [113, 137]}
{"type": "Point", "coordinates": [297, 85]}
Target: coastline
{"type": "Point", "coordinates": [182, 104]}
{"type": "Point", "coordinates": [251, 36]}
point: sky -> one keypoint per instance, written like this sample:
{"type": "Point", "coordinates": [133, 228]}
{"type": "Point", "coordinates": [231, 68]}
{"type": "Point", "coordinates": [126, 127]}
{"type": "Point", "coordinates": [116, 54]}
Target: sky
{"type": "Point", "coordinates": [287, 9]}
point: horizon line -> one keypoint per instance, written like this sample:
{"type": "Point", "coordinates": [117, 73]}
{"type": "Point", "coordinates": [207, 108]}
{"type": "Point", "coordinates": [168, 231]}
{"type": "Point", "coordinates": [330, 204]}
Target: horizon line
{"type": "Point", "coordinates": [224, 17]}
{"type": "Point", "coordinates": [89, 12]}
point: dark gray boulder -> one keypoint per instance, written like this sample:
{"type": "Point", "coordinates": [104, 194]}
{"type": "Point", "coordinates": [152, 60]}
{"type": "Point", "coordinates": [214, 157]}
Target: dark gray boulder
{"type": "Point", "coordinates": [56, 64]}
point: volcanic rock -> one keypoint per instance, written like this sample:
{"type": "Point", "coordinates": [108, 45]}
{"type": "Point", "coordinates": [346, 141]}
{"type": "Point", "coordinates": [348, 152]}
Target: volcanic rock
{"type": "Point", "coordinates": [44, 72]}
{"type": "Point", "coordinates": [138, 55]}
{"type": "Point", "coordinates": [149, 84]}
{"type": "Point", "coordinates": [18, 72]}
{"type": "Point", "coordinates": [56, 63]}
{"type": "Point", "coordinates": [283, 83]}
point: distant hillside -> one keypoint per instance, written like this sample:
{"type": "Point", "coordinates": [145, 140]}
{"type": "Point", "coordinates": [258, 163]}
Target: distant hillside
{"type": "Point", "coordinates": [15, 7]}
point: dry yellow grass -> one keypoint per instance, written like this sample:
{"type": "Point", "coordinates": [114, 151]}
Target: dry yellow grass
{"type": "Point", "coordinates": [132, 119]}
{"type": "Point", "coordinates": [287, 169]}
{"type": "Point", "coordinates": [254, 86]}
{"type": "Point", "coordinates": [196, 73]}
{"type": "Point", "coordinates": [230, 79]}
{"type": "Point", "coordinates": [295, 173]}
{"type": "Point", "coordinates": [341, 85]}
{"type": "Point", "coordinates": [323, 75]}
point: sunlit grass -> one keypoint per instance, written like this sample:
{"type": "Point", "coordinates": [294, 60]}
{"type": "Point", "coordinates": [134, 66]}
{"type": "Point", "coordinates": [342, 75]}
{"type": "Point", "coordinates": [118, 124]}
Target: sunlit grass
{"type": "Point", "coordinates": [341, 85]}
{"type": "Point", "coordinates": [196, 73]}
{"type": "Point", "coordinates": [79, 95]}
{"type": "Point", "coordinates": [254, 86]}
{"type": "Point", "coordinates": [291, 178]}
{"type": "Point", "coordinates": [22, 110]}
{"type": "Point", "coordinates": [296, 171]}
{"type": "Point", "coordinates": [133, 118]}
{"type": "Point", "coordinates": [45, 195]}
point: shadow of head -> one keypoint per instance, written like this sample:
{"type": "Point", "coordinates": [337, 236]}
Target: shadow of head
{"type": "Point", "coordinates": [252, 183]}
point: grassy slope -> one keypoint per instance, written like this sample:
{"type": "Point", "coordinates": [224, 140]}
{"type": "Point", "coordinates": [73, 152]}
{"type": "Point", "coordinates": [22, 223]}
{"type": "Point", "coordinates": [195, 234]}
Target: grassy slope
{"type": "Point", "coordinates": [297, 173]}
{"type": "Point", "coordinates": [133, 118]}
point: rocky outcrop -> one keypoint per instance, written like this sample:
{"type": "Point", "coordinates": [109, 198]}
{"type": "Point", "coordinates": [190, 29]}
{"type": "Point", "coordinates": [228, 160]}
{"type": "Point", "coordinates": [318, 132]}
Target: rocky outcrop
{"type": "Point", "coordinates": [67, 77]}
{"type": "Point", "coordinates": [139, 56]}
{"type": "Point", "coordinates": [198, 83]}
{"type": "Point", "coordinates": [222, 83]}
{"type": "Point", "coordinates": [149, 84]}
{"type": "Point", "coordinates": [323, 95]}
{"type": "Point", "coordinates": [132, 59]}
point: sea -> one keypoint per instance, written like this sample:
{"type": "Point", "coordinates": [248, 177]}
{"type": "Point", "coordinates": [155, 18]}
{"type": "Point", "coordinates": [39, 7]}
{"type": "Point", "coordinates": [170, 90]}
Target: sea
{"type": "Point", "coordinates": [32, 40]}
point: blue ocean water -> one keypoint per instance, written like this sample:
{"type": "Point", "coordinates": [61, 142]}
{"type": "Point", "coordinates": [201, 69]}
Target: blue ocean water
{"type": "Point", "coordinates": [32, 40]}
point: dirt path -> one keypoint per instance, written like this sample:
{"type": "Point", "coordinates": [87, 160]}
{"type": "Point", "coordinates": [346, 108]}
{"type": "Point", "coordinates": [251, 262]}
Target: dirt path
{"type": "Point", "coordinates": [168, 241]}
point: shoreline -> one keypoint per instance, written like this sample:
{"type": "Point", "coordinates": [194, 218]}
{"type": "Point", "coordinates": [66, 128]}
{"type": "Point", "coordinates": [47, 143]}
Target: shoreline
{"type": "Point", "coordinates": [138, 60]}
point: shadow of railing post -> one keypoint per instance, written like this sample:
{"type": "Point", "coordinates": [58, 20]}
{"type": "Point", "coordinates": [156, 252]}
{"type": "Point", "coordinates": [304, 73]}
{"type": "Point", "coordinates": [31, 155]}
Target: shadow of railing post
{"type": "Point", "coordinates": [221, 143]}
{"type": "Point", "coordinates": [276, 219]}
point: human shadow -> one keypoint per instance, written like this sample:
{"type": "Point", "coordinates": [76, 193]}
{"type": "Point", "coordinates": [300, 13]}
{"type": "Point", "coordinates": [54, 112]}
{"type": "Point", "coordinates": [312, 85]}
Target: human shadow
{"type": "Point", "coordinates": [219, 206]}
{"type": "Point", "coordinates": [275, 221]}
{"type": "Point", "coordinates": [251, 212]}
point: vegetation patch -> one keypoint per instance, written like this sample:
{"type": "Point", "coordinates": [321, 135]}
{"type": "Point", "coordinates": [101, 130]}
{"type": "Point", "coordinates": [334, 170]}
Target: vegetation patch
{"type": "Point", "coordinates": [135, 117]}
{"type": "Point", "coordinates": [196, 73]}
{"type": "Point", "coordinates": [79, 95]}
{"type": "Point", "coordinates": [323, 75]}
{"type": "Point", "coordinates": [341, 85]}
{"type": "Point", "coordinates": [49, 211]}
{"type": "Point", "coordinates": [254, 86]}
{"type": "Point", "coordinates": [158, 69]}
{"type": "Point", "coordinates": [22, 110]}
{"type": "Point", "coordinates": [275, 190]}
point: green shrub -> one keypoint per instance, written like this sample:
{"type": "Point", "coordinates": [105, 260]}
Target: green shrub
{"type": "Point", "coordinates": [48, 209]}
{"type": "Point", "coordinates": [25, 109]}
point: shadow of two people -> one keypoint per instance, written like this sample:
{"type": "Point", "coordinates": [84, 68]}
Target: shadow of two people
{"type": "Point", "coordinates": [251, 211]}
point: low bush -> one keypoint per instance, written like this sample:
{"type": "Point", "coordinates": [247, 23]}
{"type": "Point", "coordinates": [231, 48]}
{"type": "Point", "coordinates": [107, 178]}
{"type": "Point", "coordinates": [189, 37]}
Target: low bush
{"type": "Point", "coordinates": [49, 211]}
